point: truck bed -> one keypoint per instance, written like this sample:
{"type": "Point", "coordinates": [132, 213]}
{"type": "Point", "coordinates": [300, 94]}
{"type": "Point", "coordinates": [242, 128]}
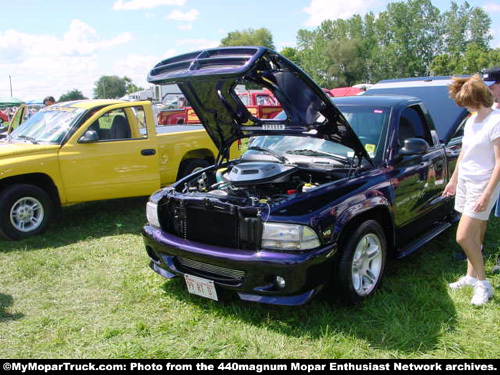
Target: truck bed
{"type": "Point", "coordinates": [167, 129]}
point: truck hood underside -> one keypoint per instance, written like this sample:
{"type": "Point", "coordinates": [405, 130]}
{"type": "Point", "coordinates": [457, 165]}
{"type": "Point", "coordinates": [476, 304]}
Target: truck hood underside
{"type": "Point", "coordinates": [208, 80]}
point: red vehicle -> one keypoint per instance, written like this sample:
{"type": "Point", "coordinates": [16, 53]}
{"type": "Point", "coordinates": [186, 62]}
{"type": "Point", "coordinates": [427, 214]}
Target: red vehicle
{"type": "Point", "coordinates": [345, 91]}
{"type": "Point", "coordinates": [172, 116]}
{"type": "Point", "coordinates": [3, 118]}
{"type": "Point", "coordinates": [260, 103]}
{"type": "Point", "coordinates": [172, 112]}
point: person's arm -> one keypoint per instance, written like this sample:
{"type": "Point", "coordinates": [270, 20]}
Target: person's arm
{"type": "Point", "coordinates": [451, 187]}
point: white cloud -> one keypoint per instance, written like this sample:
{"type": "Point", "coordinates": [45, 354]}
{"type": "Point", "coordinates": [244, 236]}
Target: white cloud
{"type": "Point", "coordinates": [42, 65]}
{"type": "Point", "coordinates": [82, 39]}
{"type": "Point", "coordinates": [144, 4]}
{"type": "Point", "coordinates": [190, 16]}
{"type": "Point", "coordinates": [321, 10]}
{"type": "Point", "coordinates": [195, 44]}
{"type": "Point", "coordinates": [137, 67]}
{"type": "Point", "coordinates": [186, 27]}
{"type": "Point", "coordinates": [79, 40]}
{"type": "Point", "coordinates": [491, 8]}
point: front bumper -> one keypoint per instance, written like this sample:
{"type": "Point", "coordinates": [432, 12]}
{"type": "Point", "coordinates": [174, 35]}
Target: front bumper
{"type": "Point", "coordinates": [250, 273]}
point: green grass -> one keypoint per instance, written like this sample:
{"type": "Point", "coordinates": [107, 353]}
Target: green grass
{"type": "Point", "coordinates": [84, 290]}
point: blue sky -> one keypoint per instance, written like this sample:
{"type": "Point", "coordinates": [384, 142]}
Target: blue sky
{"type": "Point", "coordinates": [51, 47]}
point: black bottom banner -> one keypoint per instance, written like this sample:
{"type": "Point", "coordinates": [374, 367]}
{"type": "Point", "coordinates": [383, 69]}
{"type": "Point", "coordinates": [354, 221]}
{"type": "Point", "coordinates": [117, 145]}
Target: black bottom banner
{"type": "Point", "coordinates": [258, 366]}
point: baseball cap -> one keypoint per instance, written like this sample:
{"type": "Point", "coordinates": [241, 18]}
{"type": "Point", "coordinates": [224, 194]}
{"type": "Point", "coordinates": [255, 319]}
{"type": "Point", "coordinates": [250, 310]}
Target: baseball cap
{"type": "Point", "coordinates": [491, 76]}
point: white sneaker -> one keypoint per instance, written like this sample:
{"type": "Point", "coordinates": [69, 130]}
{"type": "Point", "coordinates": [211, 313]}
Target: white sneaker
{"type": "Point", "coordinates": [463, 282]}
{"type": "Point", "coordinates": [482, 293]}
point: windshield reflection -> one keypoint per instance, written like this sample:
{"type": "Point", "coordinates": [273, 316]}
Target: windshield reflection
{"type": "Point", "coordinates": [368, 122]}
{"type": "Point", "coordinates": [50, 125]}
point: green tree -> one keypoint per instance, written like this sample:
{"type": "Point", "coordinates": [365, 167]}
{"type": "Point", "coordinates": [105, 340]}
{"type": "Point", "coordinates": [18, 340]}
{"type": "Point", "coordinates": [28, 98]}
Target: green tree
{"type": "Point", "coordinates": [326, 53]}
{"type": "Point", "coordinates": [72, 95]}
{"type": "Point", "coordinates": [474, 60]}
{"type": "Point", "coordinates": [110, 87]}
{"type": "Point", "coordinates": [409, 37]}
{"type": "Point", "coordinates": [466, 40]}
{"type": "Point", "coordinates": [249, 37]}
{"type": "Point", "coordinates": [464, 25]}
{"type": "Point", "coordinates": [291, 54]}
{"type": "Point", "coordinates": [130, 87]}
{"type": "Point", "coordinates": [348, 63]}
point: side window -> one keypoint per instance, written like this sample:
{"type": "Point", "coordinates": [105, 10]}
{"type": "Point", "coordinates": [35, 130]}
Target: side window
{"type": "Point", "coordinates": [244, 99]}
{"type": "Point", "coordinates": [459, 133]}
{"type": "Point", "coordinates": [113, 125]}
{"type": "Point", "coordinates": [138, 117]}
{"type": "Point", "coordinates": [412, 125]}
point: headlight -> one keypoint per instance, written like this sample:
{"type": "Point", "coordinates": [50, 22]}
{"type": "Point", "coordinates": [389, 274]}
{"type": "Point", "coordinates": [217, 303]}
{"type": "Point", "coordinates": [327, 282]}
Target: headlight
{"type": "Point", "coordinates": [158, 194]}
{"type": "Point", "coordinates": [289, 237]}
{"type": "Point", "coordinates": [152, 214]}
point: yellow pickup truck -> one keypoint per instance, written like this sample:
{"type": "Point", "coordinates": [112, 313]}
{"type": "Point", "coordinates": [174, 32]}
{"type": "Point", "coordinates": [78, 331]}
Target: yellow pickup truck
{"type": "Point", "coordinates": [91, 150]}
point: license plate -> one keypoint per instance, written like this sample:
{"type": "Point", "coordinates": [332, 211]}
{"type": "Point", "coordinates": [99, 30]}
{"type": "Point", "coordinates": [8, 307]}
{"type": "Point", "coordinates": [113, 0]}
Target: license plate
{"type": "Point", "coordinates": [201, 287]}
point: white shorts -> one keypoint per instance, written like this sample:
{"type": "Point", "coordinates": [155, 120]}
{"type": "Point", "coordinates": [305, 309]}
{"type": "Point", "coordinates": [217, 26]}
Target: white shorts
{"type": "Point", "coordinates": [467, 194]}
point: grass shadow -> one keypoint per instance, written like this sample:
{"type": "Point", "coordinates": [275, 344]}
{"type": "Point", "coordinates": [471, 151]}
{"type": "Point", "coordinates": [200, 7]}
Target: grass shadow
{"type": "Point", "coordinates": [82, 221]}
{"type": "Point", "coordinates": [7, 301]}
{"type": "Point", "coordinates": [409, 313]}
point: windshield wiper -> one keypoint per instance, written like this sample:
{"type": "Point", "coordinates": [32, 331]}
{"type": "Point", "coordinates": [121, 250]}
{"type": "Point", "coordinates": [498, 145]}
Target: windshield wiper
{"type": "Point", "coordinates": [280, 157]}
{"type": "Point", "coordinates": [309, 152]}
{"type": "Point", "coordinates": [31, 139]}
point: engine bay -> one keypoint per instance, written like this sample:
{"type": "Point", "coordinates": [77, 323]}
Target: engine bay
{"type": "Point", "coordinates": [258, 183]}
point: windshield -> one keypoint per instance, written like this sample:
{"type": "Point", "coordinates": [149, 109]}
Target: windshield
{"type": "Point", "coordinates": [370, 125]}
{"type": "Point", "coordinates": [368, 122]}
{"type": "Point", "coordinates": [292, 148]}
{"type": "Point", "coordinates": [50, 125]}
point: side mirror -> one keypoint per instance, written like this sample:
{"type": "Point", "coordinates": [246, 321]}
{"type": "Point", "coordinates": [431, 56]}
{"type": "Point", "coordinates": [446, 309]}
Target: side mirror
{"type": "Point", "coordinates": [414, 146]}
{"type": "Point", "coordinates": [90, 136]}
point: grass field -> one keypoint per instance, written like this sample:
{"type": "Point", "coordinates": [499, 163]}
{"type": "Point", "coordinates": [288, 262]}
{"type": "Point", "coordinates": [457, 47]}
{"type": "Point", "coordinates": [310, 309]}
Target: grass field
{"type": "Point", "coordinates": [84, 290]}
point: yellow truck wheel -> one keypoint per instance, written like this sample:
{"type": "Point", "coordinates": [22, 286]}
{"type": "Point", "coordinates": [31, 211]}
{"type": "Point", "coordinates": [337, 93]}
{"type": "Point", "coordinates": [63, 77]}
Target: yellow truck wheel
{"type": "Point", "coordinates": [26, 210]}
{"type": "Point", "coordinates": [192, 165]}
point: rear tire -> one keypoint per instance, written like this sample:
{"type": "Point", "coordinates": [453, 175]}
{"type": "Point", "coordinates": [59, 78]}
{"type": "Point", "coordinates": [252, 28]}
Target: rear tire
{"type": "Point", "coordinates": [361, 262]}
{"type": "Point", "coordinates": [25, 211]}
{"type": "Point", "coordinates": [193, 165]}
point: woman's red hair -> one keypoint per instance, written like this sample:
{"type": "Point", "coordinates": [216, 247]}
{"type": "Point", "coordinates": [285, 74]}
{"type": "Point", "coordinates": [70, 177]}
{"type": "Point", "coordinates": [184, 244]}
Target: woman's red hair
{"type": "Point", "coordinates": [470, 92]}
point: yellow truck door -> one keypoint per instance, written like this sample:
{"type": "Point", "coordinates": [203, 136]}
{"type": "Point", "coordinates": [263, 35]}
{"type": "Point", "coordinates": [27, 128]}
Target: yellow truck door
{"type": "Point", "coordinates": [113, 155]}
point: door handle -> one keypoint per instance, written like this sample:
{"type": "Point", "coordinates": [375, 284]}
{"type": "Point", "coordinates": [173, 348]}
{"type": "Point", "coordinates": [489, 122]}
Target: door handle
{"type": "Point", "coordinates": [148, 151]}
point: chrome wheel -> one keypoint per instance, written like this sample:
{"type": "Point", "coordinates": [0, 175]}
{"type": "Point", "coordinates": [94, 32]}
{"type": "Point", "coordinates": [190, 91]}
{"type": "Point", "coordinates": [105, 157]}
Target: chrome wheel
{"type": "Point", "coordinates": [27, 214]}
{"type": "Point", "coordinates": [367, 264]}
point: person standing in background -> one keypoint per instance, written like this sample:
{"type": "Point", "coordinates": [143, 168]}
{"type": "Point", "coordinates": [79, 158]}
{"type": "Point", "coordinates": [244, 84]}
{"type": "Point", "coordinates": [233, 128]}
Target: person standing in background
{"type": "Point", "coordinates": [492, 79]}
{"type": "Point", "coordinates": [49, 100]}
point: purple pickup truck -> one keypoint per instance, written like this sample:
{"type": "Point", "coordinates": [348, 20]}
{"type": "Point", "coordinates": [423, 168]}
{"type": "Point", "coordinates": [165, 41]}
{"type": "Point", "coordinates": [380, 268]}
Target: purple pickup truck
{"type": "Point", "coordinates": [325, 193]}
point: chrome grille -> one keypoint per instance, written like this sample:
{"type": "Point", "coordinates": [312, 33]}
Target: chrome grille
{"type": "Point", "coordinates": [227, 273]}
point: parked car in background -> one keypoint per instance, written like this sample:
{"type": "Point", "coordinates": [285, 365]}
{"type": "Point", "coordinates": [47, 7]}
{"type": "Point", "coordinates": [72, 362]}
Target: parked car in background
{"type": "Point", "coordinates": [3, 117]}
{"type": "Point", "coordinates": [260, 103]}
{"type": "Point", "coordinates": [345, 91]}
{"type": "Point", "coordinates": [325, 193]}
{"type": "Point", "coordinates": [431, 90]}
{"type": "Point", "coordinates": [90, 150]}
{"type": "Point", "coordinates": [17, 119]}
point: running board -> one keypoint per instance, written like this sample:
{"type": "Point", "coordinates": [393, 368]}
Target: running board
{"type": "Point", "coordinates": [420, 241]}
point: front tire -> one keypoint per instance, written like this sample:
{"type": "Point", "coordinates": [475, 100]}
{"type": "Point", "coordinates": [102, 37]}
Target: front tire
{"type": "Point", "coordinates": [25, 211]}
{"type": "Point", "coordinates": [361, 262]}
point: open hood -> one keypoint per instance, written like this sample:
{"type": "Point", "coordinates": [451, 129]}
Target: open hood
{"type": "Point", "coordinates": [208, 79]}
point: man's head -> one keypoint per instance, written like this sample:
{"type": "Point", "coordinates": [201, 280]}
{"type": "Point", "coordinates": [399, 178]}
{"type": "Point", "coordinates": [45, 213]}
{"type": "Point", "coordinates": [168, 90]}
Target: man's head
{"type": "Point", "coordinates": [49, 100]}
{"type": "Point", "coordinates": [492, 79]}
